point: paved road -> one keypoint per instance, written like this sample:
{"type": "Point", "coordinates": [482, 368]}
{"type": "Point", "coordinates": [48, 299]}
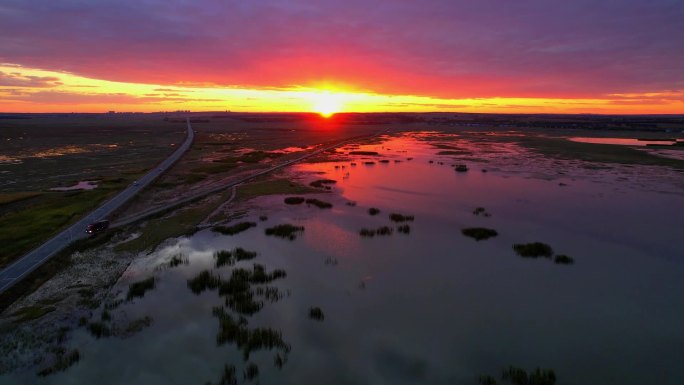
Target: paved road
{"type": "Point", "coordinates": [31, 261]}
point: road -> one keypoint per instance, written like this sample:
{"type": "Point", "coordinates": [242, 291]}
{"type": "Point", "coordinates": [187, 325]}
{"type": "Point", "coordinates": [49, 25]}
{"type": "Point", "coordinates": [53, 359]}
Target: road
{"type": "Point", "coordinates": [213, 190]}
{"type": "Point", "coordinates": [34, 259]}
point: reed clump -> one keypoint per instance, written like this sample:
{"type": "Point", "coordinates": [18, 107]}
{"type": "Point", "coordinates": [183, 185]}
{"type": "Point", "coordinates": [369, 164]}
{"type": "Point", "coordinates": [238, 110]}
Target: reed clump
{"type": "Point", "coordinates": [234, 229]}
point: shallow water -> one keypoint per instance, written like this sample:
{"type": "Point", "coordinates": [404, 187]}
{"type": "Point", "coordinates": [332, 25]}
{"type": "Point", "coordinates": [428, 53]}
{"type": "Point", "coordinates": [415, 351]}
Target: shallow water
{"type": "Point", "coordinates": [431, 307]}
{"type": "Point", "coordinates": [623, 141]}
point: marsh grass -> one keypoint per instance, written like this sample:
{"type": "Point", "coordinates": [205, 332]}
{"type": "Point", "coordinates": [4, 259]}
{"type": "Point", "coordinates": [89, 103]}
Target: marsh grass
{"type": "Point", "coordinates": [481, 211]}
{"type": "Point", "coordinates": [99, 330]}
{"type": "Point", "coordinates": [479, 233]}
{"type": "Point", "coordinates": [562, 259]}
{"type": "Point", "coordinates": [138, 289]}
{"type": "Point", "coordinates": [30, 313]}
{"type": "Point", "coordinates": [225, 257]}
{"type": "Point", "coordinates": [395, 217]}
{"type": "Point", "coordinates": [234, 229]}
{"type": "Point", "coordinates": [383, 161]}
{"type": "Point", "coordinates": [321, 183]}
{"type": "Point", "coordinates": [367, 153]}
{"type": "Point", "coordinates": [177, 260]}
{"type": "Point", "coordinates": [373, 211]}
{"type": "Point", "coordinates": [369, 163]}
{"type": "Point", "coordinates": [319, 203]}
{"type": "Point", "coordinates": [286, 231]}
{"type": "Point", "coordinates": [404, 229]}
{"type": "Point", "coordinates": [461, 168]}
{"type": "Point", "coordinates": [205, 280]}
{"type": "Point", "coordinates": [247, 340]}
{"type": "Point", "coordinates": [251, 372]}
{"type": "Point", "coordinates": [62, 361]}
{"type": "Point", "coordinates": [380, 231]}
{"type": "Point", "coordinates": [518, 376]}
{"type": "Point", "coordinates": [137, 325]}
{"type": "Point", "coordinates": [294, 200]}
{"type": "Point", "coordinates": [533, 250]}
{"type": "Point", "coordinates": [315, 313]}
{"type": "Point", "coordinates": [487, 380]}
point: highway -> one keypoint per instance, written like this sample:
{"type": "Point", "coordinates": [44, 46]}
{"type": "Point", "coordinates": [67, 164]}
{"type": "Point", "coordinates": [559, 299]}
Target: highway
{"type": "Point", "coordinates": [34, 259]}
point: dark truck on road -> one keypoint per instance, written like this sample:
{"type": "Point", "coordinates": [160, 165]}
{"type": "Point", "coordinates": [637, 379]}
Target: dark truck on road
{"type": "Point", "coordinates": [97, 227]}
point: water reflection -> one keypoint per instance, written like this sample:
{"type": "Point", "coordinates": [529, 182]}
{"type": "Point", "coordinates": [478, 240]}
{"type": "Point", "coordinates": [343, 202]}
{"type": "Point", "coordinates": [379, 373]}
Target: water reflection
{"type": "Point", "coordinates": [432, 306]}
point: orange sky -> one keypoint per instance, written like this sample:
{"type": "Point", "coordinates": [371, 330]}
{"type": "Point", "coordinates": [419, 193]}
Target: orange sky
{"type": "Point", "coordinates": [31, 90]}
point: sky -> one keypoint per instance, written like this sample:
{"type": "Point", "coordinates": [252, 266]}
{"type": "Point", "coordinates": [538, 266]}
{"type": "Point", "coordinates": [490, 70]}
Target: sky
{"type": "Point", "coordinates": [548, 56]}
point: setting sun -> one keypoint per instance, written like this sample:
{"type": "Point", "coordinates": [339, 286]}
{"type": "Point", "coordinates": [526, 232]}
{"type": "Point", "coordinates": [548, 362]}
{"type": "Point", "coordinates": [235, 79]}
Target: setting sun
{"type": "Point", "coordinates": [327, 104]}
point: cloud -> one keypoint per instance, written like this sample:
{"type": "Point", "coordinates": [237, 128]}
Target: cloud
{"type": "Point", "coordinates": [440, 48]}
{"type": "Point", "coordinates": [18, 80]}
{"type": "Point", "coordinates": [69, 98]}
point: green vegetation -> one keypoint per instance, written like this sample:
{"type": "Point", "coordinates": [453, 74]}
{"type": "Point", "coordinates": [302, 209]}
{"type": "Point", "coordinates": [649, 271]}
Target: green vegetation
{"type": "Point", "coordinates": [138, 289]}
{"type": "Point", "coordinates": [394, 217]}
{"type": "Point", "coordinates": [247, 340]}
{"type": "Point", "coordinates": [320, 183]}
{"type": "Point", "coordinates": [285, 231]}
{"type": "Point", "coordinates": [519, 376]}
{"type": "Point", "coordinates": [182, 222]}
{"type": "Point", "coordinates": [228, 377]}
{"type": "Point", "coordinates": [225, 257]}
{"type": "Point", "coordinates": [315, 313]}
{"type": "Point", "coordinates": [479, 233]}
{"type": "Point", "coordinates": [205, 280]}
{"type": "Point", "coordinates": [367, 153]}
{"type": "Point", "coordinates": [251, 372]}
{"type": "Point", "coordinates": [481, 211]}
{"type": "Point", "coordinates": [487, 380]}
{"type": "Point", "coordinates": [271, 187]}
{"type": "Point", "coordinates": [6, 198]}
{"type": "Point", "coordinates": [234, 229]}
{"type": "Point", "coordinates": [370, 233]}
{"type": "Point", "coordinates": [319, 203]}
{"type": "Point", "coordinates": [62, 361]}
{"type": "Point", "coordinates": [137, 325]}
{"type": "Point", "coordinates": [99, 330]}
{"type": "Point", "coordinates": [30, 313]}
{"type": "Point", "coordinates": [294, 200]}
{"type": "Point", "coordinates": [404, 229]}
{"type": "Point", "coordinates": [562, 259]}
{"type": "Point", "coordinates": [373, 211]}
{"type": "Point", "coordinates": [177, 260]}
{"type": "Point", "coordinates": [533, 250]}
{"type": "Point", "coordinates": [35, 220]}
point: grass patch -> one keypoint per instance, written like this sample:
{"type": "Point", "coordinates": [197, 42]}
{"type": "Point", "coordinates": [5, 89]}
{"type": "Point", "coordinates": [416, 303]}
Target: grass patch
{"type": "Point", "coordinates": [225, 257]}
{"type": "Point", "coordinates": [294, 200]}
{"type": "Point", "coordinates": [99, 330]}
{"type": "Point", "coordinates": [373, 211]}
{"type": "Point", "coordinates": [285, 231]}
{"type": "Point", "coordinates": [404, 229]}
{"type": "Point", "coordinates": [563, 259]}
{"type": "Point", "coordinates": [481, 211]}
{"type": "Point", "coordinates": [461, 168]}
{"type": "Point", "coordinates": [319, 203]}
{"type": "Point", "coordinates": [395, 217]}
{"type": "Point", "coordinates": [251, 372]}
{"type": "Point", "coordinates": [321, 183]}
{"type": "Point", "coordinates": [234, 229]}
{"type": "Point", "coordinates": [137, 325]}
{"type": "Point", "coordinates": [30, 313]}
{"type": "Point", "coordinates": [138, 289]}
{"type": "Point", "coordinates": [62, 362]}
{"type": "Point", "coordinates": [205, 280]}
{"type": "Point", "coordinates": [271, 187]}
{"type": "Point", "coordinates": [533, 250]}
{"type": "Point", "coordinates": [315, 313]}
{"type": "Point", "coordinates": [479, 233]}
{"type": "Point", "coordinates": [235, 331]}
{"type": "Point", "coordinates": [6, 198]}
{"type": "Point", "coordinates": [370, 233]}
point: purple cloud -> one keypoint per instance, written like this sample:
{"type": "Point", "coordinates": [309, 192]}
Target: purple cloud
{"type": "Point", "coordinates": [545, 48]}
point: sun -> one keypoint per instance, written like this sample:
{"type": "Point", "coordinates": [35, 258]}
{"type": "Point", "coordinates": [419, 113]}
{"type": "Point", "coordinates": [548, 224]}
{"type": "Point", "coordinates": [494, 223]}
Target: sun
{"type": "Point", "coordinates": [326, 104]}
